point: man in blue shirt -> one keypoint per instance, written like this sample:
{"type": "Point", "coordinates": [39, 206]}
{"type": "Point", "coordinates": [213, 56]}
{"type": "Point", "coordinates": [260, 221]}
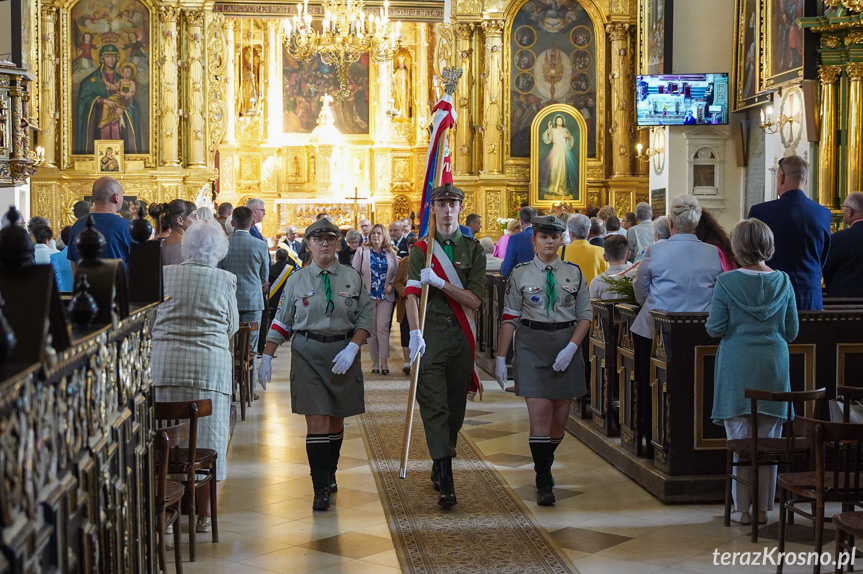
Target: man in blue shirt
{"type": "Point", "coordinates": [801, 232]}
{"type": "Point", "coordinates": [520, 246]}
{"type": "Point", "coordinates": [107, 201]}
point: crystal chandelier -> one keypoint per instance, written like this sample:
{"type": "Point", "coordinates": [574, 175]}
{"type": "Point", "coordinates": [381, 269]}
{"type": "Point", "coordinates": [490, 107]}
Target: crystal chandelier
{"type": "Point", "coordinates": [346, 33]}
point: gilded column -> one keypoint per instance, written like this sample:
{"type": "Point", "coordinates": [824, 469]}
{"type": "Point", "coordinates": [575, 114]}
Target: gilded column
{"type": "Point", "coordinates": [169, 124]}
{"type": "Point", "coordinates": [463, 152]}
{"type": "Point", "coordinates": [492, 79]}
{"type": "Point", "coordinates": [422, 101]}
{"type": "Point", "coordinates": [827, 147]}
{"type": "Point", "coordinates": [621, 61]}
{"type": "Point", "coordinates": [230, 95]}
{"type": "Point", "coordinates": [48, 86]}
{"type": "Point", "coordinates": [195, 89]}
{"type": "Point", "coordinates": [275, 115]}
{"type": "Point", "coordinates": [854, 169]}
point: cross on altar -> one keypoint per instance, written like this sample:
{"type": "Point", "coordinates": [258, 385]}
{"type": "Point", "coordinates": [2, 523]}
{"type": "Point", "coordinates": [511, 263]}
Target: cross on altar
{"type": "Point", "coordinates": [356, 199]}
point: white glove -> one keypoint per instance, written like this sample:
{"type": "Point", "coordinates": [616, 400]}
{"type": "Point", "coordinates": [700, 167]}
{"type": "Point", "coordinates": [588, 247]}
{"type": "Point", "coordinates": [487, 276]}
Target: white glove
{"type": "Point", "coordinates": [345, 358]}
{"type": "Point", "coordinates": [265, 370]}
{"type": "Point", "coordinates": [564, 357]}
{"type": "Point", "coordinates": [417, 345]}
{"type": "Point", "coordinates": [427, 275]}
{"type": "Point", "coordinates": [500, 371]}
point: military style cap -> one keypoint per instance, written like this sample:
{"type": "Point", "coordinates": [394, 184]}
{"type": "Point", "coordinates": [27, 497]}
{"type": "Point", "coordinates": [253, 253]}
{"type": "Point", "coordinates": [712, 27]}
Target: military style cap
{"type": "Point", "coordinates": [446, 191]}
{"type": "Point", "coordinates": [323, 226]}
{"type": "Point", "coordinates": [547, 224]}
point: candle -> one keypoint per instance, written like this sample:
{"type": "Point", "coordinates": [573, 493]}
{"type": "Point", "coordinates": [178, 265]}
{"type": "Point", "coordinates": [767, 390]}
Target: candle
{"type": "Point", "coordinates": [639, 147]}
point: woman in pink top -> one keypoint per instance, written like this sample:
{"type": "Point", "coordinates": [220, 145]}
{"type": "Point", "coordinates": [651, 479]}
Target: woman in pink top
{"type": "Point", "coordinates": [709, 231]}
{"type": "Point", "coordinates": [500, 248]}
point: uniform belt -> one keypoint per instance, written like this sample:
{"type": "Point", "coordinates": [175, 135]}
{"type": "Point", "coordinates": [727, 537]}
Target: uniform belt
{"type": "Point", "coordinates": [540, 326]}
{"type": "Point", "coordinates": [325, 338]}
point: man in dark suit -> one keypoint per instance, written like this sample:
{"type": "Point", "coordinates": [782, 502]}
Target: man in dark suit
{"type": "Point", "coordinates": [259, 210]}
{"type": "Point", "coordinates": [520, 246]}
{"type": "Point", "coordinates": [801, 231]}
{"type": "Point", "coordinates": [597, 232]}
{"type": "Point", "coordinates": [843, 272]}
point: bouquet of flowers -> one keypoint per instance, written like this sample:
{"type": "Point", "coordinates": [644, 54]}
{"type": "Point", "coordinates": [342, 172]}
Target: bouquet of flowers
{"type": "Point", "coordinates": [503, 222]}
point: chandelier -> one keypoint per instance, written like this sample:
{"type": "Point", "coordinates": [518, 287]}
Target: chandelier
{"type": "Point", "coordinates": [346, 33]}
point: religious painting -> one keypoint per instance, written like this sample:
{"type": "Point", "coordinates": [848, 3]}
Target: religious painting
{"type": "Point", "coordinates": [746, 71]}
{"type": "Point", "coordinates": [109, 156]}
{"type": "Point", "coordinates": [558, 143]}
{"type": "Point", "coordinates": [552, 60]}
{"type": "Point", "coordinates": [304, 83]}
{"type": "Point", "coordinates": [785, 42]}
{"type": "Point", "coordinates": [655, 34]}
{"type": "Point", "coordinates": [110, 49]}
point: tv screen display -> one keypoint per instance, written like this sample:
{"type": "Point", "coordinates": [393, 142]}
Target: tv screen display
{"type": "Point", "coordinates": [681, 99]}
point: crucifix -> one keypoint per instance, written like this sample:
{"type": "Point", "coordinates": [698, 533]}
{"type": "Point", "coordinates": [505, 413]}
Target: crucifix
{"type": "Point", "coordinates": [356, 199]}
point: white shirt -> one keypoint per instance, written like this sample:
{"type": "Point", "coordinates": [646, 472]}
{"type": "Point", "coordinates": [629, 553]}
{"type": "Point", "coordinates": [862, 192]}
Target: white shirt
{"type": "Point", "coordinates": [43, 254]}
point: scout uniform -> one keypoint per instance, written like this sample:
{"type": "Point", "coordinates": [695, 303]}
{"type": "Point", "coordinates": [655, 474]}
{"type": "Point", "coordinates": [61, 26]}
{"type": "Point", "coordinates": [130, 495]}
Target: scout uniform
{"type": "Point", "coordinates": [545, 302]}
{"type": "Point", "coordinates": [446, 368]}
{"type": "Point", "coordinates": [322, 308]}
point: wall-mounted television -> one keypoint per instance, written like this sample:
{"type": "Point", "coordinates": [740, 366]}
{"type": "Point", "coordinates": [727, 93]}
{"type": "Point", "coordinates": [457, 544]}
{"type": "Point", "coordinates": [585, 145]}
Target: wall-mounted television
{"type": "Point", "coordinates": [681, 99]}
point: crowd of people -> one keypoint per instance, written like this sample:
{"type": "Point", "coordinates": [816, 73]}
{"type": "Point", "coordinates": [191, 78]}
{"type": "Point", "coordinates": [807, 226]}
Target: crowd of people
{"type": "Point", "coordinates": [332, 292]}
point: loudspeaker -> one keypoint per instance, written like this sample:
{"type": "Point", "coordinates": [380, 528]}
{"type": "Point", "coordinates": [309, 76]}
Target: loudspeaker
{"type": "Point", "coordinates": [810, 110]}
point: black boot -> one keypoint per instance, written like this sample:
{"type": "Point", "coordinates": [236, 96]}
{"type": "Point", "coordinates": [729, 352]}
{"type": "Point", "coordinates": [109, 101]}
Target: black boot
{"type": "Point", "coordinates": [544, 492]}
{"type": "Point", "coordinates": [435, 476]}
{"type": "Point", "coordinates": [335, 450]}
{"type": "Point", "coordinates": [320, 482]}
{"type": "Point", "coordinates": [446, 498]}
{"type": "Point", "coordinates": [543, 455]}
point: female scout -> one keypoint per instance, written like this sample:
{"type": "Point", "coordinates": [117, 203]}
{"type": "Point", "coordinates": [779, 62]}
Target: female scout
{"type": "Point", "coordinates": [324, 305]}
{"type": "Point", "coordinates": [549, 300]}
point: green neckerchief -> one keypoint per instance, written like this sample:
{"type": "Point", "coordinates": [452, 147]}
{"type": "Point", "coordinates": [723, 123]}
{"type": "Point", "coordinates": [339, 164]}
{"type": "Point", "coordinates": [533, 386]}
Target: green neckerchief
{"type": "Point", "coordinates": [549, 289]}
{"type": "Point", "coordinates": [328, 290]}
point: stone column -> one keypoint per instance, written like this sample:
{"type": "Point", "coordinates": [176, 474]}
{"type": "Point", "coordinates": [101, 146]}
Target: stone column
{"type": "Point", "coordinates": [462, 154]}
{"type": "Point", "coordinates": [275, 106]}
{"type": "Point", "coordinates": [621, 90]}
{"type": "Point", "coordinates": [492, 101]}
{"type": "Point", "coordinates": [827, 148]}
{"type": "Point", "coordinates": [230, 96]}
{"type": "Point", "coordinates": [169, 124]}
{"type": "Point", "coordinates": [48, 86]}
{"type": "Point", "coordinates": [195, 89]}
{"type": "Point", "coordinates": [854, 157]}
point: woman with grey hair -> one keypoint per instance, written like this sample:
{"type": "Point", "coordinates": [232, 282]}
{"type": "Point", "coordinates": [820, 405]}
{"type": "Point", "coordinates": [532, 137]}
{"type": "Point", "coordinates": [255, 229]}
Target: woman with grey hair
{"type": "Point", "coordinates": [353, 238]}
{"type": "Point", "coordinates": [191, 358]}
{"type": "Point", "coordinates": [754, 313]}
{"type": "Point", "coordinates": [677, 274]}
{"type": "Point", "coordinates": [661, 230]}
{"type": "Point", "coordinates": [589, 258]}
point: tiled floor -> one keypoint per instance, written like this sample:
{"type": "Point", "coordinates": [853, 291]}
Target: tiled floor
{"type": "Point", "coordinates": [605, 522]}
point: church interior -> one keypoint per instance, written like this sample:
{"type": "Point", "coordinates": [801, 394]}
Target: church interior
{"type": "Point", "coordinates": [328, 106]}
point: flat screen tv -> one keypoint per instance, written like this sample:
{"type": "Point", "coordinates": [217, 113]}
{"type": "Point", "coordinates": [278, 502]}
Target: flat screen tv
{"type": "Point", "coordinates": [681, 99]}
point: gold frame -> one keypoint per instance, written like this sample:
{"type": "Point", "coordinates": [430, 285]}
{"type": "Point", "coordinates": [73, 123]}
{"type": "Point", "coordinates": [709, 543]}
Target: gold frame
{"type": "Point", "coordinates": [596, 165]}
{"type": "Point", "coordinates": [667, 24]}
{"type": "Point", "coordinates": [67, 158]}
{"type": "Point", "coordinates": [540, 117]}
{"type": "Point", "coordinates": [770, 81]}
{"type": "Point", "coordinates": [99, 145]}
{"type": "Point", "coordinates": [738, 101]}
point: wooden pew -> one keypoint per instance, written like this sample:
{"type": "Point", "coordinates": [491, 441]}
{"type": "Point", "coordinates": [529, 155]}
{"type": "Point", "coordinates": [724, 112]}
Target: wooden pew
{"type": "Point", "coordinates": [603, 384]}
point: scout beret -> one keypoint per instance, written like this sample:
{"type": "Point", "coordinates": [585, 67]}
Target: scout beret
{"type": "Point", "coordinates": [446, 191]}
{"type": "Point", "coordinates": [323, 226]}
{"type": "Point", "coordinates": [547, 224]}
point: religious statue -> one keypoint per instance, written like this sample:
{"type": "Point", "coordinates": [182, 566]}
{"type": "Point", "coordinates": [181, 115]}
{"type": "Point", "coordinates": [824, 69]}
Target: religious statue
{"type": "Point", "coordinates": [402, 88]}
{"type": "Point", "coordinates": [249, 76]}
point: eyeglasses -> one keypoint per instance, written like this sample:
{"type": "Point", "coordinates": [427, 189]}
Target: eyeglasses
{"type": "Point", "coordinates": [779, 165]}
{"type": "Point", "coordinates": [324, 240]}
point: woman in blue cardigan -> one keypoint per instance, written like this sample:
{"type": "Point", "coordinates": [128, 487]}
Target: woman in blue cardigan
{"type": "Point", "coordinates": [754, 312]}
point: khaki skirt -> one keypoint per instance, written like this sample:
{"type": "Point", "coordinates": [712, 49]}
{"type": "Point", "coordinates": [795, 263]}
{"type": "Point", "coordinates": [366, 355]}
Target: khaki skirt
{"type": "Point", "coordinates": [535, 352]}
{"type": "Point", "coordinates": [315, 390]}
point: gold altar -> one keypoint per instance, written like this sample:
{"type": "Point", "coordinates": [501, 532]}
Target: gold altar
{"type": "Point", "coordinates": [226, 110]}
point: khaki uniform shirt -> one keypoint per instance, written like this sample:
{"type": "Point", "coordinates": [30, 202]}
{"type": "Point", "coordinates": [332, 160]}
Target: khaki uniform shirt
{"type": "Point", "coordinates": [304, 303]}
{"type": "Point", "coordinates": [526, 293]}
{"type": "Point", "coordinates": [468, 258]}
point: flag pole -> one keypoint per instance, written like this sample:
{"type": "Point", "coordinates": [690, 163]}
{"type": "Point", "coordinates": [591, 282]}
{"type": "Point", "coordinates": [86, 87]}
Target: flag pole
{"type": "Point", "coordinates": [451, 77]}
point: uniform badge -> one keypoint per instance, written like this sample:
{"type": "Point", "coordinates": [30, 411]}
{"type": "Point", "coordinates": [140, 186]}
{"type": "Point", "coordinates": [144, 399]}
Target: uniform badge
{"type": "Point", "coordinates": [305, 302]}
{"type": "Point", "coordinates": [567, 299]}
{"type": "Point", "coordinates": [535, 299]}
{"type": "Point", "coordinates": [349, 302]}
{"type": "Point", "coordinates": [508, 288]}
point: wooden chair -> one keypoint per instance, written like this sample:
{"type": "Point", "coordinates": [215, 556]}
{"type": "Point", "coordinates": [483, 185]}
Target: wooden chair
{"type": "Point", "coordinates": [241, 365]}
{"type": "Point", "coordinates": [835, 478]}
{"type": "Point", "coordinates": [169, 494]}
{"type": "Point", "coordinates": [192, 462]}
{"type": "Point", "coordinates": [771, 451]}
{"type": "Point", "coordinates": [849, 525]}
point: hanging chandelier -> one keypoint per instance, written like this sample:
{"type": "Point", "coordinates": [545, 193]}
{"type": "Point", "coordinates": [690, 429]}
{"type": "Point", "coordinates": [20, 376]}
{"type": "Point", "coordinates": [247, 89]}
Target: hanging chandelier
{"type": "Point", "coordinates": [346, 33]}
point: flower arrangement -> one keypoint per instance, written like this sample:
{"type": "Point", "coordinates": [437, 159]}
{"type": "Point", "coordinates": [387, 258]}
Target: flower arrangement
{"type": "Point", "coordinates": [503, 222]}
{"type": "Point", "coordinates": [621, 285]}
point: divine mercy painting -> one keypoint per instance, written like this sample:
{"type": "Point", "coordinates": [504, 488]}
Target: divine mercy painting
{"type": "Point", "coordinates": [110, 74]}
{"type": "Point", "coordinates": [553, 60]}
{"type": "Point", "coordinates": [557, 156]}
{"type": "Point", "coordinates": [305, 83]}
